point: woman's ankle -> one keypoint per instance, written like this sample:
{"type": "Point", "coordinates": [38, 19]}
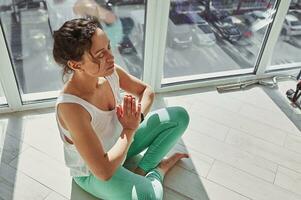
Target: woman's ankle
{"type": "Point", "coordinates": [139, 171]}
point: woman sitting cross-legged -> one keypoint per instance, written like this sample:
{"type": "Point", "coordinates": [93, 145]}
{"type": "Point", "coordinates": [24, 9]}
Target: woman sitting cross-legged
{"type": "Point", "coordinates": [100, 130]}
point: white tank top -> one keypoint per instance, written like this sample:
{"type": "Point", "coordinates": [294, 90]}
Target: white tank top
{"type": "Point", "coordinates": [105, 124]}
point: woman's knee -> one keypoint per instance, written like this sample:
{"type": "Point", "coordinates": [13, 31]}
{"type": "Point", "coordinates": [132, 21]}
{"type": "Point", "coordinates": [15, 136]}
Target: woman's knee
{"type": "Point", "coordinates": [180, 115]}
{"type": "Point", "coordinates": [146, 194]}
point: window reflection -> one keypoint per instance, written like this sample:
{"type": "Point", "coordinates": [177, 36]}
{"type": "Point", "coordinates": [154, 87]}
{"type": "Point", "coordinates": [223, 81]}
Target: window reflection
{"type": "Point", "coordinates": [213, 36]}
{"type": "Point", "coordinates": [28, 28]}
{"type": "Point", "coordinates": [288, 47]}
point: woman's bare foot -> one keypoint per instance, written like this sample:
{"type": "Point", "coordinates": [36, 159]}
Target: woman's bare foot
{"type": "Point", "coordinates": [166, 164]}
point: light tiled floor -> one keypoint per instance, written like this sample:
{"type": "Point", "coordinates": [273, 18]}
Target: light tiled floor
{"type": "Point", "coordinates": [243, 145]}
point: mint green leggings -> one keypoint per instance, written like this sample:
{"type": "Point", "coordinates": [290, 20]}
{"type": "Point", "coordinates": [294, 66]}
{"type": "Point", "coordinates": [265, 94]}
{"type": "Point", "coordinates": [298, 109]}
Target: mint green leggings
{"type": "Point", "coordinates": [159, 132]}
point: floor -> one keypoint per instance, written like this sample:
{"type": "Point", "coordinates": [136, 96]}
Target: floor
{"type": "Point", "coordinates": [242, 145]}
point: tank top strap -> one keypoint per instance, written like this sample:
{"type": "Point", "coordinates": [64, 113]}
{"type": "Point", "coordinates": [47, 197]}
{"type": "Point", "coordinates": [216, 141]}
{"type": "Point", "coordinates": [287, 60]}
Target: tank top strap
{"type": "Point", "coordinates": [113, 80]}
{"type": "Point", "coordinates": [69, 98]}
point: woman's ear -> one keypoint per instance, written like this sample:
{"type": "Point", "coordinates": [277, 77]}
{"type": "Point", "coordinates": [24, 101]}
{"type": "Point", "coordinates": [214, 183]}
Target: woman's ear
{"type": "Point", "coordinates": [74, 65]}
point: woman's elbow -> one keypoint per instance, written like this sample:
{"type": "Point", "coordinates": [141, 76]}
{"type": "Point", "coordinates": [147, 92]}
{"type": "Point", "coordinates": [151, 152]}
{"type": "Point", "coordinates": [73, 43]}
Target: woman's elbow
{"type": "Point", "coordinates": [151, 92]}
{"type": "Point", "coordinates": [104, 176]}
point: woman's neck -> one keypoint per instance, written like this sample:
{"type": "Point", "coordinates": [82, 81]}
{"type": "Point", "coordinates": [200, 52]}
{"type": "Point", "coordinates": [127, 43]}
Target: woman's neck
{"type": "Point", "coordinates": [83, 83]}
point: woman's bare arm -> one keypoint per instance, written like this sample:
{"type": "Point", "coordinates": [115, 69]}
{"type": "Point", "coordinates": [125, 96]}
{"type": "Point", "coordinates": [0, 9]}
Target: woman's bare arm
{"type": "Point", "coordinates": [136, 87]}
{"type": "Point", "coordinates": [78, 121]}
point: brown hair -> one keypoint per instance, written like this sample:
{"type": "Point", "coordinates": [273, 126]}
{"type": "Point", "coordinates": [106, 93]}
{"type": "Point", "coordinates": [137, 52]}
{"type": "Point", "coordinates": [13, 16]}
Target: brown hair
{"type": "Point", "coordinates": [72, 40]}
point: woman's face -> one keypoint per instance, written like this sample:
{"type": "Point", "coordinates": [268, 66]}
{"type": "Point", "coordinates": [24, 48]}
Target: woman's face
{"type": "Point", "coordinates": [99, 61]}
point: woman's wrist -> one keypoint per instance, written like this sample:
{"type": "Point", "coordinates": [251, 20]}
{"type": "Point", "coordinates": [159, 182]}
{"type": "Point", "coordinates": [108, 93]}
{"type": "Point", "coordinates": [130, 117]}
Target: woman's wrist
{"type": "Point", "coordinates": [129, 130]}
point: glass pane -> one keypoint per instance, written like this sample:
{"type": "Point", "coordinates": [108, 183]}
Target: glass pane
{"type": "Point", "coordinates": [28, 27]}
{"type": "Point", "coordinates": [213, 37]}
{"type": "Point", "coordinates": [288, 47]}
{"type": "Point", "coordinates": [2, 97]}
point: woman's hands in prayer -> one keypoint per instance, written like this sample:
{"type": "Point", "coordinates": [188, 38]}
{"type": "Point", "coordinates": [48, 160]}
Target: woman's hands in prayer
{"type": "Point", "coordinates": [129, 113]}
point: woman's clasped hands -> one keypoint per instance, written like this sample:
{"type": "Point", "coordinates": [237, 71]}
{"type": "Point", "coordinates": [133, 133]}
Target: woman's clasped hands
{"type": "Point", "coordinates": [129, 113]}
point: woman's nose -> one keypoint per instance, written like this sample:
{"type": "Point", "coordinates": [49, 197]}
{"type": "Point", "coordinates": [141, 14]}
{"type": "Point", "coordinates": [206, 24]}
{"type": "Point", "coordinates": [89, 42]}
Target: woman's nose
{"type": "Point", "coordinates": [109, 57]}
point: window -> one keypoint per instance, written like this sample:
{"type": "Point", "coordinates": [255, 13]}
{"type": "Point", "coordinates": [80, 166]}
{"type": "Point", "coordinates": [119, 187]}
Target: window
{"type": "Point", "coordinates": [214, 38]}
{"type": "Point", "coordinates": [2, 97]}
{"type": "Point", "coordinates": [28, 28]}
{"type": "Point", "coordinates": [288, 46]}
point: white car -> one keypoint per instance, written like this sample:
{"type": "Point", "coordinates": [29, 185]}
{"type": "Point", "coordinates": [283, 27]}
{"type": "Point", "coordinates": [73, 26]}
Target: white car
{"type": "Point", "coordinates": [260, 14]}
{"type": "Point", "coordinates": [291, 26]}
{"type": "Point", "coordinates": [203, 35]}
{"type": "Point", "coordinates": [258, 20]}
{"type": "Point", "coordinates": [179, 33]}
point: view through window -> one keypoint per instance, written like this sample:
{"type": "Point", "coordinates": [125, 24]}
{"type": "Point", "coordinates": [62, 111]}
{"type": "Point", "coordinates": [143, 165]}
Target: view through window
{"type": "Point", "coordinates": [215, 36]}
{"type": "Point", "coordinates": [28, 28]}
{"type": "Point", "coordinates": [288, 46]}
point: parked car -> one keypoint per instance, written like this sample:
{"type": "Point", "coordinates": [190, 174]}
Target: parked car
{"type": "Point", "coordinates": [184, 7]}
{"type": "Point", "coordinates": [216, 15]}
{"type": "Point", "coordinates": [179, 31]}
{"type": "Point", "coordinates": [251, 17]}
{"type": "Point", "coordinates": [126, 46]}
{"type": "Point", "coordinates": [258, 14]}
{"type": "Point", "coordinates": [194, 18]}
{"type": "Point", "coordinates": [240, 22]}
{"type": "Point", "coordinates": [248, 19]}
{"type": "Point", "coordinates": [245, 30]}
{"type": "Point", "coordinates": [125, 2]}
{"type": "Point", "coordinates": [258, 20]}
{"type": "Point", "coordinates": [291, 26]}
{"type": "Point", "coordinates": [296, 13]}
{"type": "Point", "coordinates": [203, 34]}
{"type": "Point", "coordinates": [227, 30]}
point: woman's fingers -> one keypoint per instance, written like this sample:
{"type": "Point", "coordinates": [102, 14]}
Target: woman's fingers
{"type": "Point", "coordinates": [129, 105]}
{"type": "Point", "coordinates": [138, 113]}
{"type": "Point", "coordinates": [133, 106]}
{"type": "Point", "coordinates": [125, 104]}
{"type": "Point", "coordinates": [119, 111]}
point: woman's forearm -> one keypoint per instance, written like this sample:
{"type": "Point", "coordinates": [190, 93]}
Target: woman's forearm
{"type": "Point", "coordinates": [118, 152]}
{"type": "Point", "coordinates": [146, 99]}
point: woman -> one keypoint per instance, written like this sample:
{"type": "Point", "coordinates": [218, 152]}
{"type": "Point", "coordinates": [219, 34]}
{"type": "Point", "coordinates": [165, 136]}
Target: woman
{"type": "Point", "coordinates": [100, 131]}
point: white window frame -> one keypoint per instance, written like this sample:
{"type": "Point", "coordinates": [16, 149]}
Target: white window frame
{"type": "Point", "coordinates": [10, 87]}
{"type": "Point", "coordinates": [160, 31]}
{"type": "Point", "coordinates": [157, 13]}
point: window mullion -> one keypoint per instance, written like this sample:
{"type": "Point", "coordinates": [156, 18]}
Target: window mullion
{"type": "Point", "coordinates": [156, 29]}
{"type": "Point", "coordinates": [148, 74]}
{"type": "Point", "coordinates": [274, 32]}
{"type": "Point", "coordinates": [7, 76]}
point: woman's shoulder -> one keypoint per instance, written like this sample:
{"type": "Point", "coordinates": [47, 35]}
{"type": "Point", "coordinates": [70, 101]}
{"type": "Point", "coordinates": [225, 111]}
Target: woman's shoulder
{"type": "Point", "coordinates": [71, 101]}
{"type": "Point", "coordinates": [73, 110]}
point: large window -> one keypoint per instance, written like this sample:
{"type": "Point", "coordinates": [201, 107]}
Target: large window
{"type": "Point", "coordinates": [28, 28]}
{"type": "Point", "coordinates": [288, 46]}
{"type": "Point", "coordinates": [180, 44]}
{"type": "Point", "coordinates": [214, 38]}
